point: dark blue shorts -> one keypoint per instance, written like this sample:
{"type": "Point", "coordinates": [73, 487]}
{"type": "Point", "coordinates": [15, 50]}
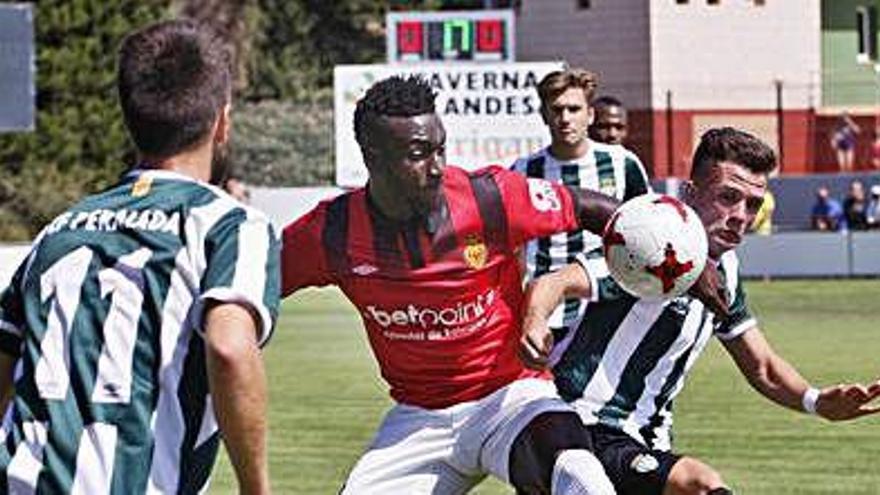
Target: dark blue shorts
{"type": "Point", "coordinates": [633, 468]}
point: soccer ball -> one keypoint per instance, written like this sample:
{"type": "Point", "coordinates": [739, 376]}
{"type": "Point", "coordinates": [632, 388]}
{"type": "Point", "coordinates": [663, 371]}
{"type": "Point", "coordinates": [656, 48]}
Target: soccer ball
{"type": "Point", "coordinates": [655, 247]}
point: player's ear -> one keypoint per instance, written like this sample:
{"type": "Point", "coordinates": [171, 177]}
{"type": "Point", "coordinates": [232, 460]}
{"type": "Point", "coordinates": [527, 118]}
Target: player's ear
{"type": "Point", "coordinates": [591, 115]}
{"type": "Point", "coordinates": [221, 132]}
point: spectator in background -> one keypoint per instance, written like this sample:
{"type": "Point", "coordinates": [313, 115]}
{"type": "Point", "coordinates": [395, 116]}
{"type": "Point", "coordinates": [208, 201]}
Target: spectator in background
{"type": "Point", "coordinates": [855, 207]}
{"type": "Point", "coordinates": [610, 123]}
{"type": "Point", "coordinates": [875, 149]}
{"type": "Point", "coordinates": [872, 212]}
{"type": "Point", "coordinates": [843, 140]}
{"type": "Point", "coordinates": [237, 189]}
{"type": "Point", "coordinates": [827, 214]}
{"type": "Point", "coordinates": [763, 224]}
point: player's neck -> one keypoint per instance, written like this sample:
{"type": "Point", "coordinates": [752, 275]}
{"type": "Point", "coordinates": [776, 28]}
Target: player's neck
{"type": "Point", "coordinates": [388, 203]}
{"type": "Point", "coordinates": [567, 152]}
{"type": "Point", "coordinates": [194, 162]}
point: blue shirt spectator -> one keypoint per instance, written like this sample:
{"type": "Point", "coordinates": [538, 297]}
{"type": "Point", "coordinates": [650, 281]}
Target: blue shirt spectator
{"type": "Point", "coordinates": [827, 214]}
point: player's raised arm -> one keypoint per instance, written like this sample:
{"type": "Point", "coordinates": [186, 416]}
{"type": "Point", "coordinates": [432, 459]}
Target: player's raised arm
{"type": "Point", "coordinates": [776, 379]}
{"type": "Point", "coordinates": [593, 209]}
{"type": "Point", "coordinates": [542, 296]}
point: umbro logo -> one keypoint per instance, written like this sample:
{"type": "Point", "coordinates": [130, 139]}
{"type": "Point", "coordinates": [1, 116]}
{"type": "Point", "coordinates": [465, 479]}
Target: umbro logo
{"type": "Point", "coordinates": [364, 269]}
{"type": "Point", "coordinates": [644, 463]}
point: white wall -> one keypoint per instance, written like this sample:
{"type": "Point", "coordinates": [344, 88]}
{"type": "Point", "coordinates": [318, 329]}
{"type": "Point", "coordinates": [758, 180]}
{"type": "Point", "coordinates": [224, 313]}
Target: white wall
{"type": "Point", "coordinates": [11, 255]}
{"type": "Point", "coordinates": [610, 38]}
{"type": "Point", "coordinates": [282, 205]}
{"type": "Point", "coordinates": [285, 204]}
{"type": "Point", "coordinates": [727, 56]}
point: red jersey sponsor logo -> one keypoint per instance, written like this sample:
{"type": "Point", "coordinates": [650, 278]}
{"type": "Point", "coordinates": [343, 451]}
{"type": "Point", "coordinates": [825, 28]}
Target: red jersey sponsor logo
{"type": "Point", "coordinates": [427, 323]}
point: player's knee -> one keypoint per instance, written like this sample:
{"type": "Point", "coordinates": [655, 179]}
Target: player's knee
{"type": "Point", "coordinates": [692, 477]}
{"type": "Point", "coordinates": [536, 448]}
{"type": "Point", "coordinates": [579, 472]}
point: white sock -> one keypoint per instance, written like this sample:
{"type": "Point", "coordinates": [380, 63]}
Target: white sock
{"type": "Point", "coordinates": [579, 472]}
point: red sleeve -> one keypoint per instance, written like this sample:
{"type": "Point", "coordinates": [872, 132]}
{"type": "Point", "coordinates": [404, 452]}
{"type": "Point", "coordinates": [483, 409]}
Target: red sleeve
{"type": "Point", "coordinates": [303, 260]}
{"type": "Point", "coordinates": [535, 207]}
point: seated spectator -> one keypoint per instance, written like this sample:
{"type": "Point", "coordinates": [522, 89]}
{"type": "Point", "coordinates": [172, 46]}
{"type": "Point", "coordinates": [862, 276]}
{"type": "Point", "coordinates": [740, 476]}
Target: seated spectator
{"type": "Point", "coordinates": [827, 214]}
{"type": "Point", "coordinates": [855, 207]}
{"type": "Point", "coordinates": [872, 212]}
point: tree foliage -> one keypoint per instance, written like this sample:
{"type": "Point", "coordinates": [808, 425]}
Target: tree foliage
{"type": "Point", "coordinates": [297, 43]}
{"type": "Point", "coordinates": [80, 143]}
{"type": "Point", "coordinates": [286, 50]}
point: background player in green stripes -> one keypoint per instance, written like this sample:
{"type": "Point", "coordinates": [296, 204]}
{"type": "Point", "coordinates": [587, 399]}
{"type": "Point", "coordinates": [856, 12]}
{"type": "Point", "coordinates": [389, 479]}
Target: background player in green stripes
{"type": "Point", "coordinates": [575, 160]}
{"type": "Point", "coordinates": [629, 358]}
{"type": "Point", "coordinates": [610, 125]}
{"type": "Point", "coordinates": [135, 322]}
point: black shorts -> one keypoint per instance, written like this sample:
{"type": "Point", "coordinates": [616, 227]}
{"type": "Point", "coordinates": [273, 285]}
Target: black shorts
{"type": "Point", "coordinates": [633, 468]}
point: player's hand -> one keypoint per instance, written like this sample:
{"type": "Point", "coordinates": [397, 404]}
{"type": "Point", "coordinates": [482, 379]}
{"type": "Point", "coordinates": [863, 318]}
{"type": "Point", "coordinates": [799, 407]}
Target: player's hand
{"type": "Point", "coordinates": [709, 289]}
{"type": "Point", "coordinates": [848, 401]}
{"type": "Point", "coordinates": [535, 343]}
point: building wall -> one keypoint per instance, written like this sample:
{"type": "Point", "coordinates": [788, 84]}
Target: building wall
{"type": "Point", "coordinates": [610, 38]}
{"type": "Point", "coordinates": [688, 125]}
{"type": "Point", "coordinates": [718, 63]}
{"type": "Point", "coordinates": [845, 82]}
{"type": "Point", "coordinates": [727, 56]}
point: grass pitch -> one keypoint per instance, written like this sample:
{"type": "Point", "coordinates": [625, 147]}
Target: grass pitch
{"type": "Point", "coordinates": [327, 398]}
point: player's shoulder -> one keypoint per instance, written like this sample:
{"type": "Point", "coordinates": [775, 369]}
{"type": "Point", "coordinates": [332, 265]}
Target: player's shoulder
{"type": "Point", "coordinates": [729, 265]}
{"type": "Point", "coordinates": [614, 150]}
{"type": "Point", "coordinates": [729, 261]}
{"type": "Point", "coordinates": [523, 163]}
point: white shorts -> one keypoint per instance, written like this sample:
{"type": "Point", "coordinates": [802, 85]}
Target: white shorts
{"type": "Point", "coordinates": [427, 451]}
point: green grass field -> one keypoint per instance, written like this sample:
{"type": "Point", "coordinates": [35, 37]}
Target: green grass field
{"type": "Point", "coordinates": [327, 398]}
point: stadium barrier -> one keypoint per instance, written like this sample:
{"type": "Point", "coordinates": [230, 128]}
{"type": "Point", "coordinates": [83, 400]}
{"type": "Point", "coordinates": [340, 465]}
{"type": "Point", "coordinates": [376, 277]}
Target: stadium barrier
{"type": "Point", "coordinates": [811, 254]}
{"type": "Point", "coordinates": [783, 254]}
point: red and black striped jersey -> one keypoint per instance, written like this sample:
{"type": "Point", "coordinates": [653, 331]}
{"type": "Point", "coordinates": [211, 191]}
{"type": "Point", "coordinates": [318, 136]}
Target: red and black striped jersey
{"type": "Point", "coordinates": [440, 297]}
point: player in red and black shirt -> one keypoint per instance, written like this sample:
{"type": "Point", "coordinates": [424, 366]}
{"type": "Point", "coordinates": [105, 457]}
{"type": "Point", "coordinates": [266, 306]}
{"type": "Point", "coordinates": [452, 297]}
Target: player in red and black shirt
{"type": "Point", "coordinates": [427, 254]}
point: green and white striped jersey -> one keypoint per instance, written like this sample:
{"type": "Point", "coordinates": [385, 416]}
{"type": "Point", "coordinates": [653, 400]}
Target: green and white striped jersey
{"type": "Point", "coordinates": [628, 359]}
{"type": "Point", "coordinates": [111, 392]}
{"type": "Point", "coordinates": [609, 169]}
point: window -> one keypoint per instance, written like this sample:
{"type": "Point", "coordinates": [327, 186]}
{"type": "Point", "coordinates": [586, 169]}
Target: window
{"type": "Point", "coordinates": [584, 4]}
{"type": "Point", "coordinates": [681, 2]}
{"type": "Point", "coordinates": [713, 2]}
{"type": "Point", "coordinates": [866, 25]}
{"type": "Point", "coordinates": [760, 3]}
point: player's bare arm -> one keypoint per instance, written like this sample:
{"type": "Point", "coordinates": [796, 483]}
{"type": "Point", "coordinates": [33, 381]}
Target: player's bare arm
{"type": "Point", "coordinates": [542, 296]}
{"type": "Point", "coordinates": [237, 382]}
{"type": "Point", "coordinates": [7, 367]}
{"type": "Point", "coordinates": [776, 379]}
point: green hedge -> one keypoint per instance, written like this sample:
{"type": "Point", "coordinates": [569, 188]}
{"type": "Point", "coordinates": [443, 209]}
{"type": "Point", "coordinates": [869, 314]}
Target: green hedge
{"type": "Point", "coordinates": [278, 144]}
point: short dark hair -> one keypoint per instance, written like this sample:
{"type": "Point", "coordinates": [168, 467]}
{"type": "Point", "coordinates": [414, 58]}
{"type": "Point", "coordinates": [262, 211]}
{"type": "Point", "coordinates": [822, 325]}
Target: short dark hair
{"type": "Point", "coordinates": [607, 101]}
{"type": "Point", "coordinates": [395, 96]}
{"type": "Point", "coordinates": [726, 144]}
{"type": "Point", "coordinates": [174, 78]}
{"type": "Point", "coordinates": [556, 82]}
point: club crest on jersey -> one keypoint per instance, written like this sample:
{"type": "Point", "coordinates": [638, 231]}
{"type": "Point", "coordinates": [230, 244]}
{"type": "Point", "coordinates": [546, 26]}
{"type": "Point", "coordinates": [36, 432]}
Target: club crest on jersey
{"type": "Point", "coordinates": [607, 186]}
{"type": "Point", "coordinates": [644, 463]}
{"type": "Point", "coordinates": [142, 186]}
{"type": "Point", "coordinates": [475, 252]}
{"type": "Point", "coordinates": [543, 196]}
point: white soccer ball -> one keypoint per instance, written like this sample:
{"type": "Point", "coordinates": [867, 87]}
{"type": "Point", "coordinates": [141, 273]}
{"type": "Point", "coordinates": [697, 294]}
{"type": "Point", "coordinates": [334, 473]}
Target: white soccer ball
{"type": "Point", "coordinates": [655, 247]}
